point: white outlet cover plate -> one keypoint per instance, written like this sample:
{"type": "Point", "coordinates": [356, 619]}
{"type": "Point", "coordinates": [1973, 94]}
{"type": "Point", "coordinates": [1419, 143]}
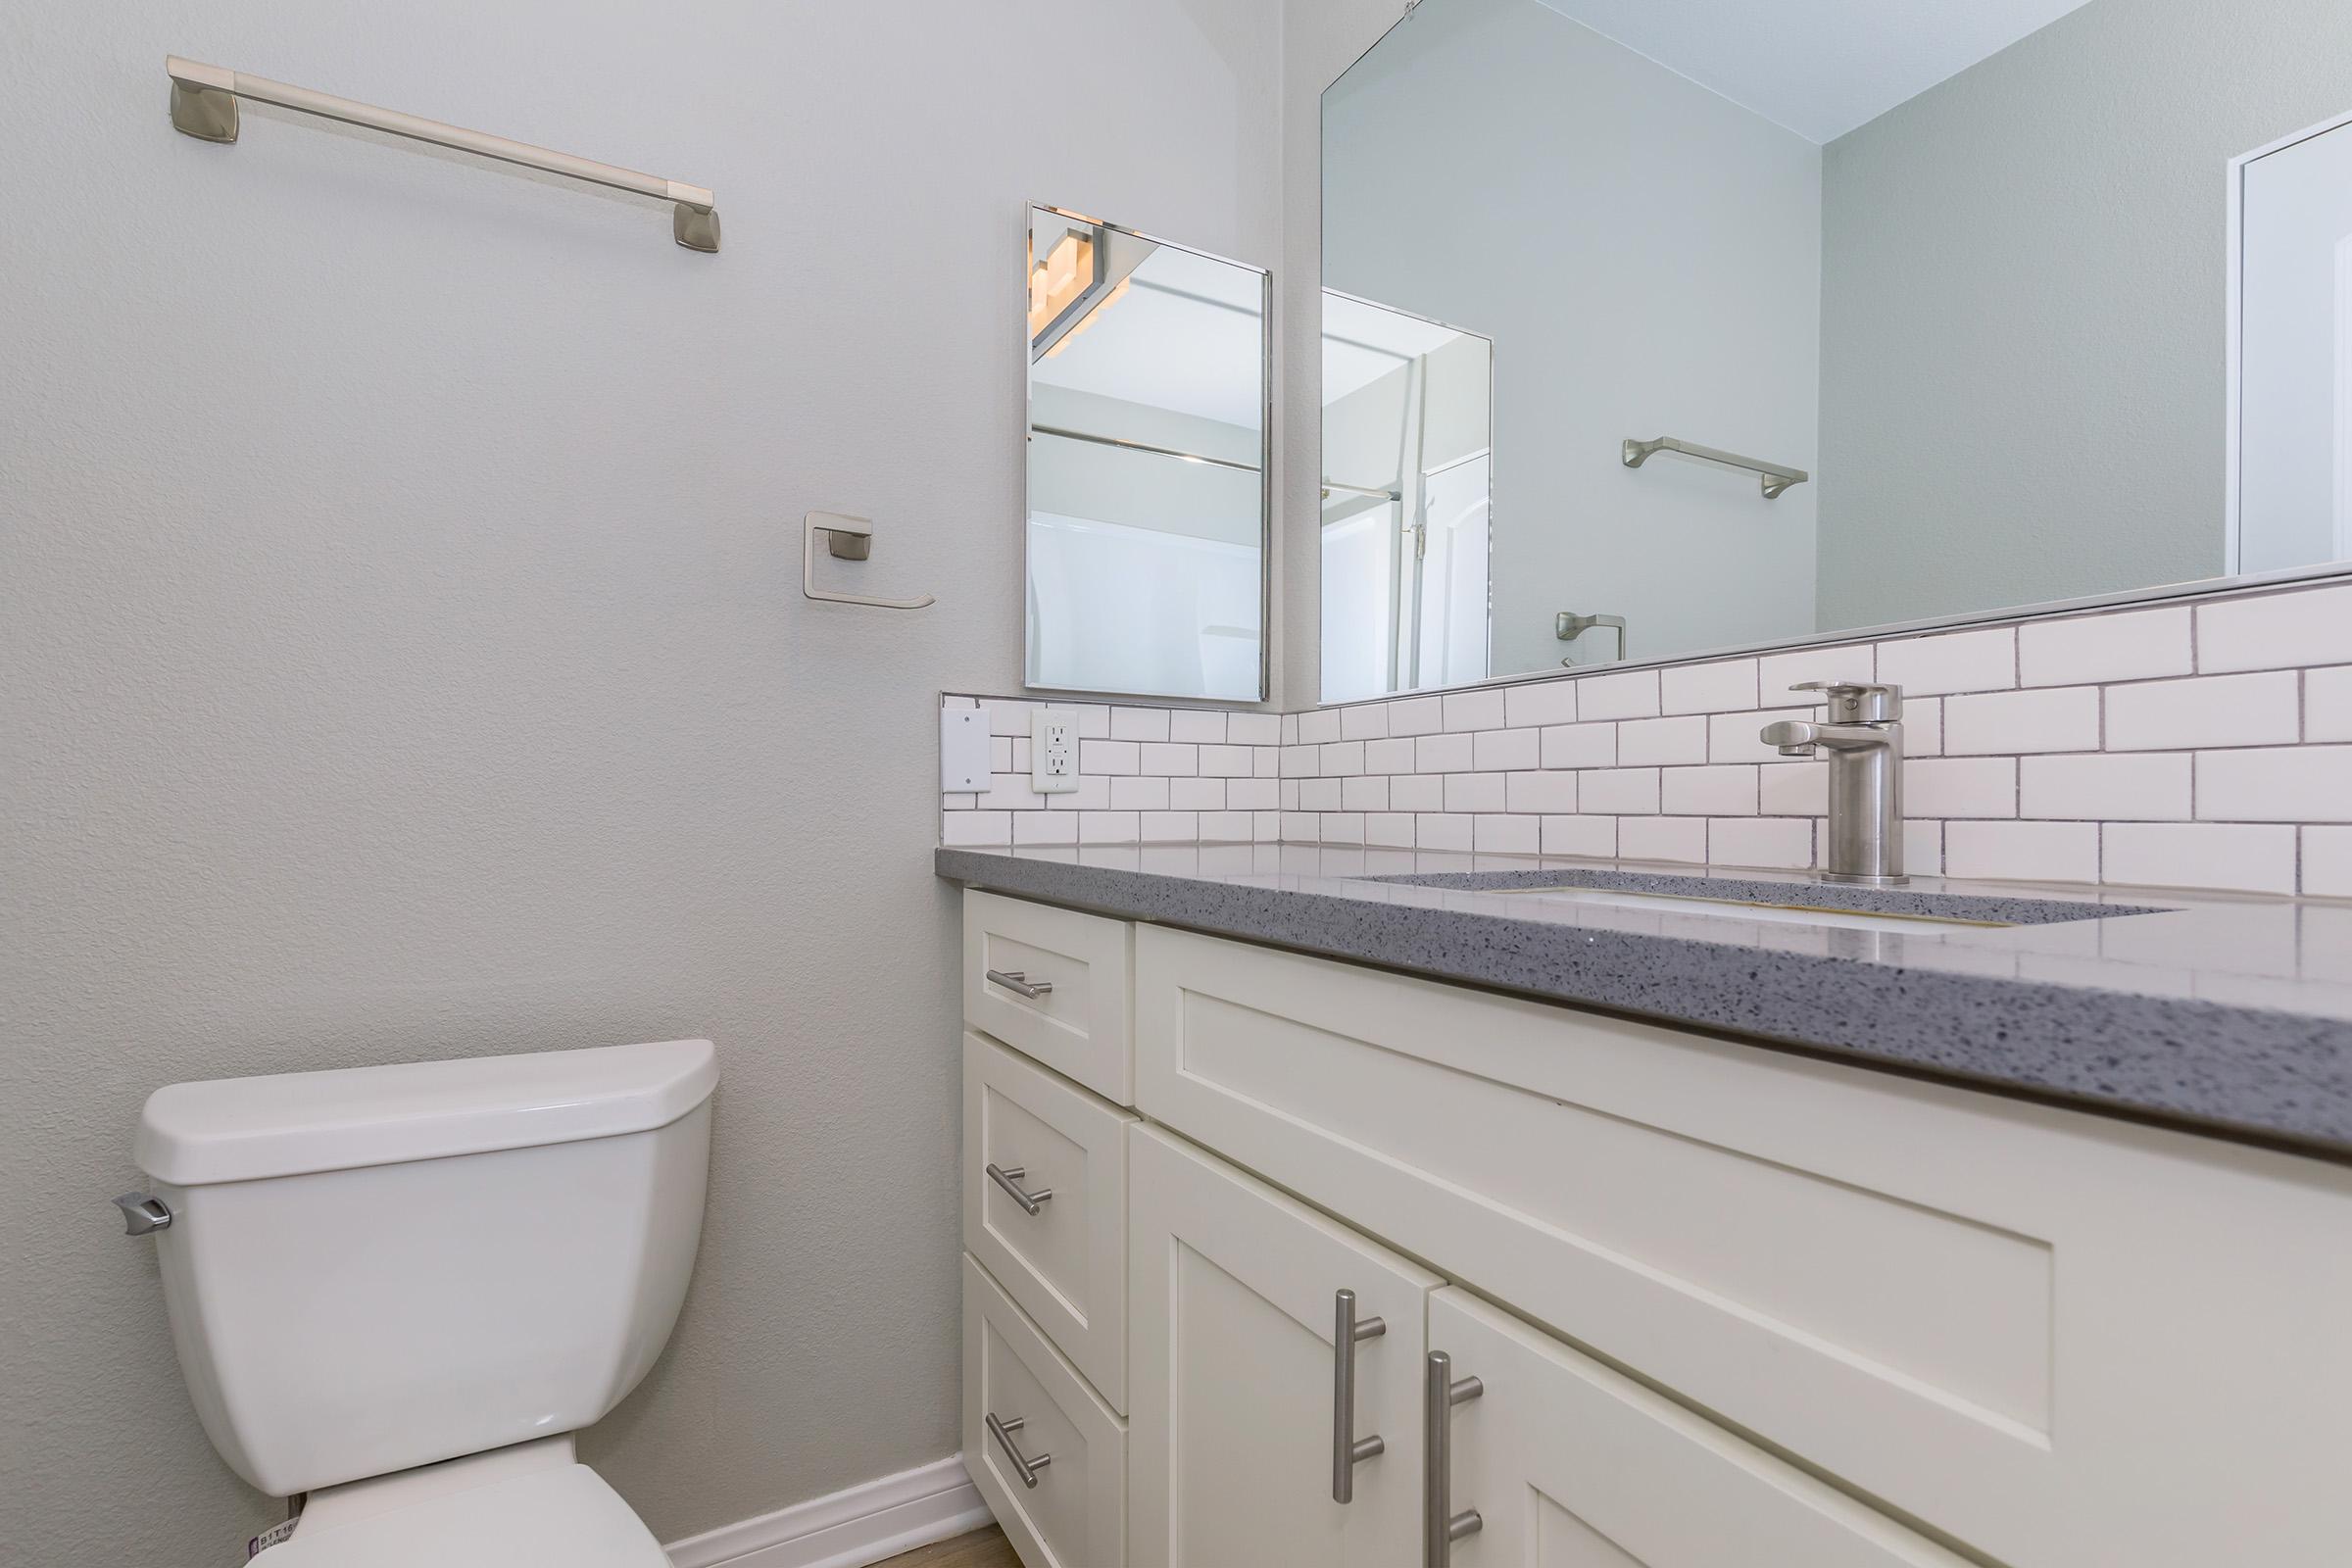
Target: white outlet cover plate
{"type": "Point", "coordinates": [1054, 751]}
{"type": "Point", "coordinates": [964, 749]}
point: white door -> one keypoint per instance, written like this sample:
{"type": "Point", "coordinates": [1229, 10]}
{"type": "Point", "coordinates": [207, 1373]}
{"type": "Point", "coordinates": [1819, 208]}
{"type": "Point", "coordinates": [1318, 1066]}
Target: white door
{"type": "Point", "coordinates": [1558, 1462]}
{"type": "Point", "coordinates": [2295, 355]}
{"type": "Point", "coordinates": [1235, 1386]}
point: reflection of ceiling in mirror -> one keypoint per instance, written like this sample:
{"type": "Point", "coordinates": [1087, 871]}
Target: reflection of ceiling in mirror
{"type": "Point", "coordinates": [1363, 342]}
{"type": "Point", "coordinates": [1187, 335]}
{"type": "Point", "coordinates": [1819, 67]}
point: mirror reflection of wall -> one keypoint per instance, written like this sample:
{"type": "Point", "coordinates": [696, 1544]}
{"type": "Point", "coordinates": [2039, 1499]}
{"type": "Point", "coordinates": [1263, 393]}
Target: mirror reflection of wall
{"type": "Point", "coordinates": [1147, 465]}
{"type": "Point", "coordinates": [1966, 268]}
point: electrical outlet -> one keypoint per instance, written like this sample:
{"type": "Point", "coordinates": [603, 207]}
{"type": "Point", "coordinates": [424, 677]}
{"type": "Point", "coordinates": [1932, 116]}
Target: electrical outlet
{"type": "Point", "coordinates": [964, 749]}
{"type": "Point", "coordinates": [1053, 752]}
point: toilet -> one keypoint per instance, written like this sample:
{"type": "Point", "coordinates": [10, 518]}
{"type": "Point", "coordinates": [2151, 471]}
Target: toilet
{"type": "Point", "coordinates": [401, 1290]}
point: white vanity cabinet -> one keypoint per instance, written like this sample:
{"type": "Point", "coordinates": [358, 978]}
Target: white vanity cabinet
{"type": "Point", "coordinates": [1728, 1306]}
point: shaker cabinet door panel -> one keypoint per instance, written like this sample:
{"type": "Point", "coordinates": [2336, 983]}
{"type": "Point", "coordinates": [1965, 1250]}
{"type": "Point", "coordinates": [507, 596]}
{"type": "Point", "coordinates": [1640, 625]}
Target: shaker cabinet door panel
{"type": "Point", "coordinates": [1234, 1376]}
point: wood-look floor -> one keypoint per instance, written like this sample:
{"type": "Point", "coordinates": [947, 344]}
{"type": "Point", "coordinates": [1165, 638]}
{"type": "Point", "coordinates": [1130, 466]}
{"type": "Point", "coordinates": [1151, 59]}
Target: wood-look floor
{"type": "Point", "coordinates": [982, 1548]}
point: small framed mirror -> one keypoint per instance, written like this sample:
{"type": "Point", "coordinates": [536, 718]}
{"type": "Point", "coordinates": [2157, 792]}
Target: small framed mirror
{"type": "Point", "coordinates": [1147, 418]}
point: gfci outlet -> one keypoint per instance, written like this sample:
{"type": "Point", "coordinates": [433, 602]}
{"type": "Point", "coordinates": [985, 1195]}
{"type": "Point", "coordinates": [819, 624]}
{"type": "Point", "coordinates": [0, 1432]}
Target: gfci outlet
{"type": "Point", "coordinates": [1053, 752]}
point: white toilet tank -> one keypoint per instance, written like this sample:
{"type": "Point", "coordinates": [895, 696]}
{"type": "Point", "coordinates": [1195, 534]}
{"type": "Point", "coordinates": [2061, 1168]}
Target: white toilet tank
{"type": "Point", "coordinates": [381, 1268]}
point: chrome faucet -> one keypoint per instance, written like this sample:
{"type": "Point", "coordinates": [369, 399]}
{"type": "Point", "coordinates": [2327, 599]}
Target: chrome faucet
{"type": "Point", "coordinates": [1863, 733]}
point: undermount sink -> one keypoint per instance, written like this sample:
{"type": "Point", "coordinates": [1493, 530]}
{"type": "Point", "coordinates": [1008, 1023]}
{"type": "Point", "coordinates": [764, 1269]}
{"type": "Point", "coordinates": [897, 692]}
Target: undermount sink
{"type": "Point", "coordinates": [1766, 898]}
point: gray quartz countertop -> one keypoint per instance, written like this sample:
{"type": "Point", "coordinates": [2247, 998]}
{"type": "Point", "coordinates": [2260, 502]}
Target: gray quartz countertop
{"type": "Point", "coordinates": [2228, 1015]}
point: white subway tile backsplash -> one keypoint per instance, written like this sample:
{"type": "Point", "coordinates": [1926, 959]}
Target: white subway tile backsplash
{"type": "Point", "coordinates": [1474, 710]}
{"type": "Point", "coordinates": [1720, 688]}
{"type": "Point", "coordinates": [1108, 756]}
{"type": "Point", "coordinates": [1011, 791]}
{"type": "Point", "coordinates": [1663, 838]}
{"type": "Point", "coordinates": [1655, 742]}
{"type": "Point", "coordinates": [2064, 718]}
{"type": "Point", "coordinates": [1503, 749]}
{"type": "Point", "coordinates": [2209, 710]}
{"type": "Point", "coordinates": [1619, 791]}
{"type": "Point", "coordinates": [1008, 716]}
{"type": "Point", "coordinates": [1253, 729]}
{"type": "Point", "coordinates": [2328, 703]}
{"type": "Point", "coordinates": [2277, 784]}
{"type": "Point", "coordinates": [1417, 791]}
{"type": "Point", "coordinates": [1540, 703]}
{"type": "Point", "coordinates": [2126, 645]}
{"type": "Point", "coordinates": [2328, 862]}
{"type": "Point", "coordinates": [1365, 793]}
{"type": "Point", "coordinates": [1794, 788]}
{"type": "Point", "coordinates": [1595, 836]}
{"type": "Point", "coordinates": [2106, 787]}
{"type": "Point", "coordinates": [1728, 791]}
{"type": "Point", "coordinates": [1341, 828]}
{"type": "Point", "coordinates": [1633, 694]}
{"type": "Point", "coordinates": [1227, 827]}
{"type": "Point", "coordinates": [1045, 827]}
{"type": "Point", "coordinates": [1318, 725]}
{"type": "Point", "coordinates": [1389, 756]}
{"type": "Point", "coordinates": [1301, 761]}
{"type": "Point", "coordinates": [1923, 849]}
{"type": "Point", "coordinates": [1506, 835]}
{"type": "Point", "coordinates": [1138, 723]}
{"type": "Point", "coordinates": [2277, 631]}
{"type": "Point", "coordinates": [1951, 662]}
{"type": "Point", "coordinates": [1580, 746]}
{"type": "Point", "coordinates": [974, 828]}
{"type": "Point", "coordinates": [1093, 794]}
{"type": "Point", "coordinates": [1197, 794]}
{"type": "Point", "coordinates": [1169, 827]}
{"type": "Point", "coordinates": [1776, 843]}
{"type": "Point", "coordinates": [1546, 794]}
{"type": "Point", "coordinates": [1923, 726]}
{"type": "Point", "coordinates": [1252, 794]}
{"type": "Point", "coordinates": [1172, 761]}
{"type": "Point", "coordinates": [1960, 786]}
{"type": "Point", "coordinates": [1393, 830]}
{"type": "Point", "coordinates": [1417, 715]}
{"type": "Point", "coordinates": [1440, 831]}
{"type": "Point", "coordinates": [1366, 721]}
{"type": "Point", "coordinates": [1228, 762]}
{"type": "Point", "coordinates": [1322, 793]}
{"type": "Point", "coordinates": [1443, 753]}
{"type": "Point", "coordinates": [2023, 851]}
{"type": "Point", "coordinates": [1341, 757]}
{"type": "Point", "coordinates": [2199, 854]}
{"type": "Point", "coordinates": [1476, 791]}
{"type": "Point", "coordinates": [1202, 725]}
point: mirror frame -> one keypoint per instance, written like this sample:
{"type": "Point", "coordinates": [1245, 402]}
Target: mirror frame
{"type": "Point", "coordinates": [1265, 463]}
{"type": "Point", "coordinates": [2193, 589]}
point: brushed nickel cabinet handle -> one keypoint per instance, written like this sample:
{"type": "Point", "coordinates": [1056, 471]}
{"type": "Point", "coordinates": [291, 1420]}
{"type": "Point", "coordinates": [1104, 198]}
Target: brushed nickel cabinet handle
{"type": "Point", "coordinates": [1441, 1526]}
{"type": "Point", "coordinates": [1003, 1432]}
{"type": "Point", "coordinates": [1347, 1450]}
{"type": "Point", "coordinates": [1017, 982]}
{"type": "Point", "coordinates": [1009, 1178]}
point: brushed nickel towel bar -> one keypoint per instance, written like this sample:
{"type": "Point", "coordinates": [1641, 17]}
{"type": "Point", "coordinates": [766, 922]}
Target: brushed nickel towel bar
{"type": "Point", "coordinates": [1775, 478]}
{"type": "Point", "coordinates": [203, 104]}
{"type": "Point", "coordinates": [847, 538]}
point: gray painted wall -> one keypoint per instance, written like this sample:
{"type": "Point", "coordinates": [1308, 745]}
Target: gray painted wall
{"type": "Point", "coordinates": [1645, 254]}
{"type": "Point", "coordinates": [2024, 295]}
{"type": "Point", "coordinates": [405, 656]}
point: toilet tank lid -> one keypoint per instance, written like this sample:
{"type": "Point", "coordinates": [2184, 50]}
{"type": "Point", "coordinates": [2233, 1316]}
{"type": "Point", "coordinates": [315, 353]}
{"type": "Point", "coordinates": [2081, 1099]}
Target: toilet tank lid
{"type": "Point", "coordinates": [290, 1124]}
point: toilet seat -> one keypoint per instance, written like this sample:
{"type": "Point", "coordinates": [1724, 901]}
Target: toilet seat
{"type": "Point", "coordinates": [563, 1517]}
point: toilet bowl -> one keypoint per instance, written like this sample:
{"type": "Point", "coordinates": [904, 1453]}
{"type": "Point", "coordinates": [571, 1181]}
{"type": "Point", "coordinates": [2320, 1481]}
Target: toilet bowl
{"type": "Point", "coordinates": [400, 1289]}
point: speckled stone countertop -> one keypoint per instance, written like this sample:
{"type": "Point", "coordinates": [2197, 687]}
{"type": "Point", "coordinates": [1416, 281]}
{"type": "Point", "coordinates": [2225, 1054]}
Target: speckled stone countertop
{"type": "Point", "coordinates": [2232, 1016]}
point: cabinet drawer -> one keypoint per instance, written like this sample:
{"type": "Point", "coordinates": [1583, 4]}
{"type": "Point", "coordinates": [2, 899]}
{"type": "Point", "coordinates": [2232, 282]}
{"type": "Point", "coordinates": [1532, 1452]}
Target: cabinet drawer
{"type": "Point", "coordinates": [1080, 967]}
{"type": "Point", "coordinates": [1027, 1131]}
{"type": "Point", "coordinates": [1563, 1460]}
{"type": "Point", "coordinates": [1073, 1512]}
{"type": "Point", "coordinates": [1899, 1283]}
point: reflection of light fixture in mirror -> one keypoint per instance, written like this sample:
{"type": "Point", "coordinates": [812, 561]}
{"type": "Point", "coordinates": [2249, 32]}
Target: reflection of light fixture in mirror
{"type": "Point", "coordinates": [1094, 313]}
{"type": "Point", "coordinates": [1059, 277]}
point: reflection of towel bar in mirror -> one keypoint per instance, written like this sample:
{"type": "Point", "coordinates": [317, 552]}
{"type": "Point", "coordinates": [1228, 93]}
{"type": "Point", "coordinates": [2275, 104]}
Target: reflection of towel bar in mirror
{"type": "Point", "coordinates": [847, 538]}
{"type": "Point", "coordinates": [203, 104]}
{"type": "Point", "coordinates": [1332, 487]}
{"type": "Point", "coordinates": [1775, 478]}
{"type": "Point", "coordinates": [1568, 626]}
{"type": "Point", "coordinates": [1126, 445]}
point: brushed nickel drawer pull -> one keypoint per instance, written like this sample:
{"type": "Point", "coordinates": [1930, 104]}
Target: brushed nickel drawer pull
{"type": "Point", "coordinates": [1009, 1178]}
{"type": "Point", "coordinates": [1441, 1526]}
{"type": "Point", "coordinates": [1003, 1432]}
{"type": "Point", "coordinates": [1347, 1450]}
{"type": "Point", "coordinates": [1017, 981]}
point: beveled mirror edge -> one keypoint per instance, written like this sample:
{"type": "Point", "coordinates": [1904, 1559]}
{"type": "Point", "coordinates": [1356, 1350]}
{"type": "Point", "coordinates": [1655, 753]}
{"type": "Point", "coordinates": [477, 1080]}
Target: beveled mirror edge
{"type": "Point", "coordinates": [1265, 466]}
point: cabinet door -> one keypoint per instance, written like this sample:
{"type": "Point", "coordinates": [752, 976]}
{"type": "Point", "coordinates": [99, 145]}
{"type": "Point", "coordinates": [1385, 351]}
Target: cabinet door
{"type": "Point", "coordinates": [1235, 1381]}
{"type": "Point", "coordinates": [1567, 1464]}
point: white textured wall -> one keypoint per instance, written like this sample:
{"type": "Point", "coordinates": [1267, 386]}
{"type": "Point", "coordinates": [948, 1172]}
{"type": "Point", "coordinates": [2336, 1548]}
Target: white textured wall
{"type": "Point", "coordinates": [404, 655]}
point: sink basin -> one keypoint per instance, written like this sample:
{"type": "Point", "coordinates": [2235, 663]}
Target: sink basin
{"type": "Point", "coordinates": [1750, 910]}
{"type": "Point", "coordinates": [1765, 897]}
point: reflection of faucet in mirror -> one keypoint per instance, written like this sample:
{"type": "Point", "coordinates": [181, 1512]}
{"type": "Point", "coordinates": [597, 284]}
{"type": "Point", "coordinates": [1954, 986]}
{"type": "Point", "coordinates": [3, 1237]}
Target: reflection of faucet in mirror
{"type": "Point", "coordinates": [1568, 626]}
{"type": "Point", "coordinates": [1862, 734]}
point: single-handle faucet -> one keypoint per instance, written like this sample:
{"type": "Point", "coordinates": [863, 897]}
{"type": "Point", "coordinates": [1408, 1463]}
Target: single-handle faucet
{"type": "Point", "coordinates": [1864, 737]}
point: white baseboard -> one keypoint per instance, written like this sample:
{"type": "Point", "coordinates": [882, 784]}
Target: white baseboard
{"type": "Point", "coordinates": [850, 1529]}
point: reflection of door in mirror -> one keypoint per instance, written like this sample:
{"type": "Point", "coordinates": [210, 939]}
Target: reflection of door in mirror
{"type": "Point", "coordinates": [2295, 481]}
{"type": "Point", "coordinates": [1406, 490]}
{"type": "Point", "coordinates": [1147, 465]}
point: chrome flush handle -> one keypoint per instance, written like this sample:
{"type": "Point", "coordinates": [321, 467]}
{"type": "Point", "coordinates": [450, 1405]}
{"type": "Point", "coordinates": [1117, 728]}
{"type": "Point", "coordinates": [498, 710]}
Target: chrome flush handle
{"type": "Point", "coordinates": [143, 1213]}
{"type": "Point", "coordinates": [1347, 1450]}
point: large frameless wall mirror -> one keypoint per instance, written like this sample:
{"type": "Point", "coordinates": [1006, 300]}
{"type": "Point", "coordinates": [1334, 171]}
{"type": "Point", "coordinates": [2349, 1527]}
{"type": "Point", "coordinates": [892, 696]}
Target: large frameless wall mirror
{"type": "Point", "coordinates": [1147, 449]}
{"type": "Point", "coordinates": [1658, 328]}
